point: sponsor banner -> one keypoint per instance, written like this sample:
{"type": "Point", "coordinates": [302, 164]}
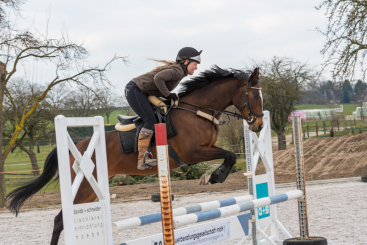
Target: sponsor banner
{"type": "Point", "coordinates": [88, 219]}
{"type": "Point", "coordinates": [202, 236]}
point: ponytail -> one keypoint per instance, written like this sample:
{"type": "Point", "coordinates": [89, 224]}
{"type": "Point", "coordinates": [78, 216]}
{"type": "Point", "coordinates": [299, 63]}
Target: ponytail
{"type": "Point", "coordinates": [164, 62]}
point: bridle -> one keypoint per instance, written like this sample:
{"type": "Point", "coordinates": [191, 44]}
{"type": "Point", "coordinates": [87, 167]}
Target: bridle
{"type": "Point", "coordinates": [250, 119]}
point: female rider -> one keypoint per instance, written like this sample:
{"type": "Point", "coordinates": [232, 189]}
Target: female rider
{"type": "Point", "coordinates": [158, 82]}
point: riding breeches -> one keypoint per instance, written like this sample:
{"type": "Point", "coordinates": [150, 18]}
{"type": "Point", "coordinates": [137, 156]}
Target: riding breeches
{"type": "Point", "coordinates": [139, 102]}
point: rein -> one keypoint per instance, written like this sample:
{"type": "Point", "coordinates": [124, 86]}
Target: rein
{"type": "Point", "coordinates": [250, 119]}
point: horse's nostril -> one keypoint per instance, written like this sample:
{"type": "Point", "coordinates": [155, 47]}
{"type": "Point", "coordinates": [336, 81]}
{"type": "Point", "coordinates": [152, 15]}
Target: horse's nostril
{"type": "Point", "coordinates": [260, 126]}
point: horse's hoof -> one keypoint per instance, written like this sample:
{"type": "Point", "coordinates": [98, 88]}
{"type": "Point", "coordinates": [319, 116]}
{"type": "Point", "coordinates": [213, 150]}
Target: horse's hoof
{"type": "Point", "coordinates": [216, 177]}
{"type": "Point", "coordinates": [219, 175]}
{"type": "Point", "coordinates": [204, 180]}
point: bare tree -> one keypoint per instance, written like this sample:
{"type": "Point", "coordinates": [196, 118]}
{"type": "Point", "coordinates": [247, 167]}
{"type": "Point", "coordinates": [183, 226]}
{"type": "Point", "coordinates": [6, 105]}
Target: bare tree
{"type": "Point", "coordinates": [346, 34]}
{"type": "Point", "coordinates": [57, 98]}
{"type": "Point", "coordinates": [36, 125]}
{"type": "Point", "coordinates": [66, 57]}
{"type": "Point", "coordinates": [284, 82]}
{"type": "Point", "coordinates": [7, 6]}
{"type": "Point", "coordinates": [82, 102]}
{"type": "Point", "coordinates": [108, 101]}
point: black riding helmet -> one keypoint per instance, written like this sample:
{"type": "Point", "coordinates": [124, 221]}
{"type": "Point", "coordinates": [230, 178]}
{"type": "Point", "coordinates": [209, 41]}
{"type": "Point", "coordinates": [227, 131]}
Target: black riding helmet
{"type": "Point", "coordinates": [190, 54]}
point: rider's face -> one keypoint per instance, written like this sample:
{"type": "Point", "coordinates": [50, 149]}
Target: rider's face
{"type": "Point", "coordinates": [191, 67]}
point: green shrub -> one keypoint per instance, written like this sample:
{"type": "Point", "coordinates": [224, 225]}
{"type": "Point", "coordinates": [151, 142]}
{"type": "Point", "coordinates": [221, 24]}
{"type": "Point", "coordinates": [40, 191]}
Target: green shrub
{"type": "Point", "coordinates": [184, 173]}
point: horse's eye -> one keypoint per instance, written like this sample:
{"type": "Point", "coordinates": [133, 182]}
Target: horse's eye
{"type": "Point", "coordinates": [256, 96]}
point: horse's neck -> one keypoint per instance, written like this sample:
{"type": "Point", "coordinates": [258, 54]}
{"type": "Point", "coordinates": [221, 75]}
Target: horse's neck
{"type": "Point", "coordinates": [216, 96]}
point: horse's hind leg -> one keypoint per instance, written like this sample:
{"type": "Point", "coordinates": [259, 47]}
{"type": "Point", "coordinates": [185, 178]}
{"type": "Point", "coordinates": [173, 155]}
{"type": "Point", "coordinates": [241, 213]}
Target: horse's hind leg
{"type": "Point", "coordinates": [58, 227]}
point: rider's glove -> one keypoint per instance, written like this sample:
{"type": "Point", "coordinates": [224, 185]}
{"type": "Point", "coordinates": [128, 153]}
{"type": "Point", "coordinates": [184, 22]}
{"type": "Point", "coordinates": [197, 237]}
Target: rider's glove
{"type": "Point", "coordinates": [173, 96]}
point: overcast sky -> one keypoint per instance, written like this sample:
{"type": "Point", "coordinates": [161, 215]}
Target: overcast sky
{"type": "Point", "coordinates": [229, 32]}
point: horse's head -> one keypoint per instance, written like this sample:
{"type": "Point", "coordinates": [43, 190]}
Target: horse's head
{"type": "Point", "coordinates": [249, 101]}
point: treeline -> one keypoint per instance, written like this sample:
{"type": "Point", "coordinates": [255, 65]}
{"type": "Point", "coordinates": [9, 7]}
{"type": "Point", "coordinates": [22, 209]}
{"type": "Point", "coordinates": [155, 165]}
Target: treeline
{"type": "Point", "coordinates": [80, 101]}
{"type": "Point", "coordinates": [329, 92]}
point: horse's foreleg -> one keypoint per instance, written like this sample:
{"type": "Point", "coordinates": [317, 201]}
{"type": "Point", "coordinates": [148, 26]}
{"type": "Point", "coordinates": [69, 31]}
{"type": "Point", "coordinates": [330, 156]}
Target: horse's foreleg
{"type": "Point", "coordinates": [222, 172]}
{"type": "Point", "coordinates": [212, 153]}
{"type": "Point", "coordinates": [58, 227]}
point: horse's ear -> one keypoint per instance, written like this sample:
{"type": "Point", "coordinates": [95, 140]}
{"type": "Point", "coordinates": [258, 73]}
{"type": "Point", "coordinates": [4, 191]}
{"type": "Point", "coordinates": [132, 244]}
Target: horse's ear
{"type": "Point", "coordinates": [255, 74]}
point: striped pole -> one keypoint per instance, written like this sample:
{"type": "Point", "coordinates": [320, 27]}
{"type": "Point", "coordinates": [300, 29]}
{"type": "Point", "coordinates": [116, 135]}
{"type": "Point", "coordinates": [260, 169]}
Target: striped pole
{"type": "Point", "coordinates": [234, 209]}
{"type": "Point", "coordinates": [156, 217]}
{"type": "Point", "coordinates": [250, 180]}
{"type": "Point", "coordinates": [164, 184]}
{"type": "Point", "coordinates": [301, 184]}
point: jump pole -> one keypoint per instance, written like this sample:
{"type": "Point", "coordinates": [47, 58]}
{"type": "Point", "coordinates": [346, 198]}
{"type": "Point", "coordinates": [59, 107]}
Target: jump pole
{"type": "Point", "coordinates": [157, 217]}
{"type": "Point", "coordinates": [164, 184]}
{"type": "Point", "coordinates": [301, 183]}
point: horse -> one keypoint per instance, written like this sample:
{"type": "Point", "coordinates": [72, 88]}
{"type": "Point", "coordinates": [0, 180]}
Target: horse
{"type": "Point", "coordinates": [212, 90]}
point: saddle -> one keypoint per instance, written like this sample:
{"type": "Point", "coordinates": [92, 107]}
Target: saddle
{"type": "Point", "coordinates": [129, 127]}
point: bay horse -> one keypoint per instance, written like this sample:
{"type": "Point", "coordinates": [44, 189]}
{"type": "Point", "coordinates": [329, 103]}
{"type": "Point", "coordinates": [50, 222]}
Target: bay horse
{"type": "Point", "coordinates": [214, 89]}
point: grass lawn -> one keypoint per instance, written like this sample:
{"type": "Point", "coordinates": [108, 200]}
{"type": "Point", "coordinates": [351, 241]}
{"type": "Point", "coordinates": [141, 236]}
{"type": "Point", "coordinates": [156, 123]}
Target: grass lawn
{"type": "Point", "coordinates": [113, 116]}
{"type": "Point", "coordinates": [19, 161]}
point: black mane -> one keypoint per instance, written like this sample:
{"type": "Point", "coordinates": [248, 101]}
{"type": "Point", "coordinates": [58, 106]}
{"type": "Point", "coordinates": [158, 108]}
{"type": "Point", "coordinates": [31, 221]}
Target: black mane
{"type": "Point", "coordinates": [210, 76]}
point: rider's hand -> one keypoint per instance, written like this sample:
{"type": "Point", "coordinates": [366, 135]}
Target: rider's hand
{"type": "Point", "coordinates": [173, 96]}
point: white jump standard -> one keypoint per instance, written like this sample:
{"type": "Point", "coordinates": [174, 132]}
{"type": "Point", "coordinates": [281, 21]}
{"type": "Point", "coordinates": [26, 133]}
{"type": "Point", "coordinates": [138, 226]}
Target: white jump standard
{"type": "Point", "coordinates": [87, 223]}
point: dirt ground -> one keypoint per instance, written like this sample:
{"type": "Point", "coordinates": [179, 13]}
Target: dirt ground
{"type": "Point", "coordinates": [325, 158]}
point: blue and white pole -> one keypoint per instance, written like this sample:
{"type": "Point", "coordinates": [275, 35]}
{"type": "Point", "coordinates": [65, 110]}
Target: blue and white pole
{"type": "Point", "coordinates": [156, 217]}
{"type": "Point", "coordinates": [234, 209]}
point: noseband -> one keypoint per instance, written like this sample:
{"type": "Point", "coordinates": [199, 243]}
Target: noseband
{"type": "Point", "coordinates": [250, 119]}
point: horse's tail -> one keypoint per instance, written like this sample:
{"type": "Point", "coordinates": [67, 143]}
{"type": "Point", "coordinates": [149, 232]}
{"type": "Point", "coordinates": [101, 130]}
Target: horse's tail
{"type": "Point", "coordinates": [18, 196]}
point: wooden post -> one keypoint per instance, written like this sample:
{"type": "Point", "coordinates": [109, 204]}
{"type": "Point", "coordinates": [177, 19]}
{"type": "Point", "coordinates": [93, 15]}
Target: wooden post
{"type": "Point", "coordinates": [350, 122]}
{"type": "Point", "coordinates": [317, 130]}
{"type": "Point", "coordinates": [284, 142]}
{"type": "Point", "coordinates": [355, 124]}
{"type": "Point", "coordinates": [308, 132]}
{"type": "Point", "coordinates": [323, 122]}
{"type": "Point", "coordinates": [338, 124]}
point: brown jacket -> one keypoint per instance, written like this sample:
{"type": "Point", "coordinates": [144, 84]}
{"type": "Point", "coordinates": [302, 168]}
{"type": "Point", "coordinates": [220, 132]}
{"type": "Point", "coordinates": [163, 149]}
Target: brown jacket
{"type": "Point", "coordinates": [161, 82]}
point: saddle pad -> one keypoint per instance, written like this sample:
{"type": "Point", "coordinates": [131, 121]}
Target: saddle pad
{"type": "Point", "coordinates": [128, 139]}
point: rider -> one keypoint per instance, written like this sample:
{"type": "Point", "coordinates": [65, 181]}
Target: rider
{"type": "Point", "coordinates": [158, 82]}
